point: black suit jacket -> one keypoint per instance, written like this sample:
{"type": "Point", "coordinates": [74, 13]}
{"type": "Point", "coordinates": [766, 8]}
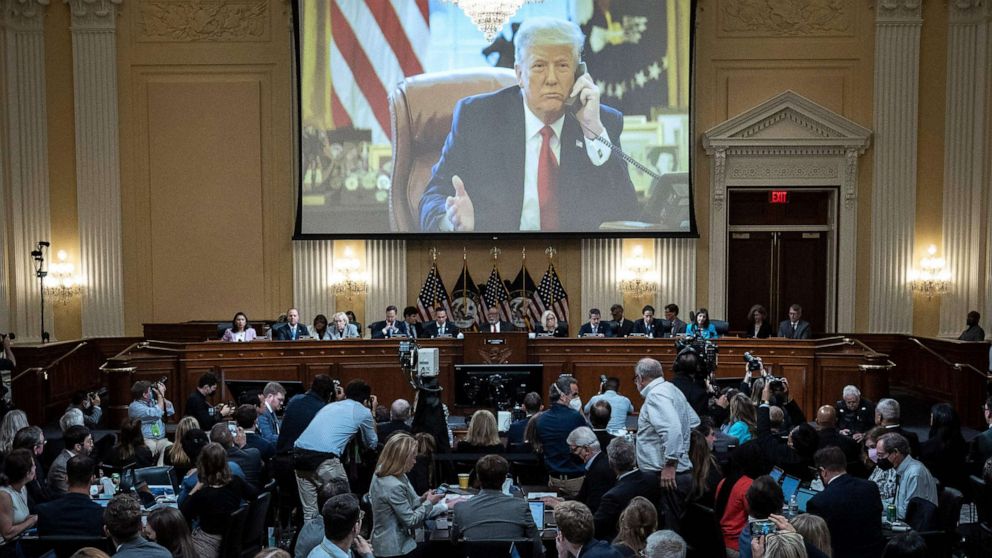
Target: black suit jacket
{"type": "Point", "coordinates": [764, 332]}
{"type": "Point", "coordinates": [377, 327]}
{"type": "Point", "coordinates": [71, 515]}
{"type": "Point", "coordinates": [623, 328]}
{"type": "Point", "coordinates": [598, 480]}
{"type": "Point", "coordinates": [281, 333]}
{"type": "Point", "coordinates": [637, 483]}
{"type": "Point", "coordinates": [852, 508]}
{"type": "Point", "coordinates": [604, 327]}
{"type": "Point", "coordinates": [250, 461]}
{"type": "Point", "coordinates": [852, 450]}
{"type": "Point", "coordinates": [654, 329]}
{"type": "Point", "coordinates": [266, 449]}
{"type": "Point", "coordinates": [801, 332]}
{"type": "Point", "coordinates": [486, 149]}
{"type": "Point", "coordinates": [560, 331]}
{"type": "Point", "coordinates": [431, 329]}
{"type": "Point", "coordinates": [384, 429]}
{"type": "Point", "coordinates": [504, 326]}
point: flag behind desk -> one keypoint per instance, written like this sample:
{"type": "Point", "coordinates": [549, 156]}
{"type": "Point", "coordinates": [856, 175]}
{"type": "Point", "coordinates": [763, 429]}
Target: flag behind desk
{"type": "Point", "coordinates": [466, 304]}
{"type": "Point", "coordinates": [432, 295]}
{"type": "Point", "coordinates": [551, 295]}
{"type": "Point", "coordinates": [524, 313]}
{"type": "Point", "coordinates": [496, 295]}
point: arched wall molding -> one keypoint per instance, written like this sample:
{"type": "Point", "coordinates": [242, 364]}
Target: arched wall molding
{"type": "Point", "coordinates": [788, 141]}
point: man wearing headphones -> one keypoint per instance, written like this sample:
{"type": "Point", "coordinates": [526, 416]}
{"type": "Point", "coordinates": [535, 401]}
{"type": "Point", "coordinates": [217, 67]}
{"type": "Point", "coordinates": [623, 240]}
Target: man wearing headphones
{"type": "Point", "coordinates": [565, 470]}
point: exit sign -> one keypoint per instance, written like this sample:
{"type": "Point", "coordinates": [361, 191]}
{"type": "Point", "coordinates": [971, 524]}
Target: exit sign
{"type": "Point", "coordinates": [778, 196]}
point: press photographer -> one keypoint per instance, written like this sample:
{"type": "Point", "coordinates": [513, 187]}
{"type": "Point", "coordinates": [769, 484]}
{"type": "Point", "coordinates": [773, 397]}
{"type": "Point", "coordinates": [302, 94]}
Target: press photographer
{"type": "Point", "coordinates": [90, 405]}
{"type": "Point", "coordinates": [774, 390]}
{"type": "Point", "coordinates": [694, 366]}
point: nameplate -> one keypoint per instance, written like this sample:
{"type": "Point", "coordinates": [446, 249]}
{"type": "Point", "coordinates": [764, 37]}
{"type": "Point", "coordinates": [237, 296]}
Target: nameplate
{"type": "Point", "coordinates": [495, 341]}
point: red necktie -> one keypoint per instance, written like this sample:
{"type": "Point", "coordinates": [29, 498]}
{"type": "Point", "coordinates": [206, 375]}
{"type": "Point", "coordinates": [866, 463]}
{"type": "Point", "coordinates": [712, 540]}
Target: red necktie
{"type": "Point", "coordinates": [547, 182]}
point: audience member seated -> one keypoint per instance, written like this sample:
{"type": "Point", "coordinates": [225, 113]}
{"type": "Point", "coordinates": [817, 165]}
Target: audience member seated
{"type": "Point", "coordinates": [742, 419]}
{"type": "Point", "coordinates": [246, 417]}
{"type": "Point", "coordinates": [18, 470]}
{"type": "Point", "coordinates": [239, 331]}
{"type": "Point", "coordinates": [599, 419]}
{"type": "Point", "coordinates": [550, 326]}
{"type": "Point", "coordinates": [855, 414]}
{"type": "Point", "coordinates": [575, 533]}
{"type": "Point", "coordinates": [552, 427]}
{"type": "Point", "coordinates": [981, 446]}
{"type": "Point", "coordinates": [250, 460]}
{"type": "Point", "coordinates": [342, 519]}
{"type": "Point", "coordinates": [54, 446]}
{"type": "Point", "coordinates": [884, 478]}
{"type": "Point", "coordinates": [312, 532]}
{"type": "Point", "coordinates": [12, 422]}
{"type": "Point", "coordinates": [630, 482]}
{"type": "Point", "coordinates": [852, 507]}
{"type": "Point", "coordinates": [595, 327]}
{"type": "Point", "coordinates": [482, 435]}
{"type": "Point", "coordinates": [706, 473]}
{"type": "Point", "coordinates": [216, 495]}
{"type": "Point", "coordinates": [769, 439]}
{"type": "Point", "coordinates": [74, 514]}
{"type": "Point", "coordinates": [816, 535]}
{"type": "Point", "coordinates": [273, 397]}
{"type": "Point", "coordinates": [826, 428]}
{"type": "Point", "coordinates": [905, 545]}
{"type": "Point", "coordinates": [665, 544]}
{"type": "Point", "coordinates": [637, 521]}
{"type": "Point", "coordinates": [780, 544]}
{"type": "Point", "coordinates": [912, 477]}
{"type": "Point", "coordinates": [492, 515]}
{"type": "Point", "coordinates": [887, 415]}
{"type": "Point", "coordinates": [399, 413]}
{"type": "Point", "coordinates": [167, 527]}
{"type": "Point", "coordinates": [130, 449]}
{"type": "Point", "coordinates": [397, 511]}
{"type": "Point", "coordinates": [78, 441]}
{"type": "Point", "coordinates": [176, 456]}
{"type": "Point", "coordinates": [758, 326]}
{"type": "Point", "coordinates": [599, 477]}
{"type": "Point", "coordinates": [341, 329]}
{"type": "Point", "coordinates": [747, 463]}
{"type": "Point", "coordinates": [122, 520]}
{"type": "Point", "coordinates": [426, 473]}
{"type": "Point", "coordinates": [32, 439]}
{"type": "Point", "coordinates": [198, 407]}
{"type": "Point", "coordinates": [193, 443]}
{"type": "Point", "coordinates": [620, 406]}
{"type": "Point", "coordinates": [764, 498]}
{"type": "Point", "coordinates": [945, 450]}
{"type": "Point", "coordinates": [701, 326]}
{"type": "Point", "coordinates": [532, 406]}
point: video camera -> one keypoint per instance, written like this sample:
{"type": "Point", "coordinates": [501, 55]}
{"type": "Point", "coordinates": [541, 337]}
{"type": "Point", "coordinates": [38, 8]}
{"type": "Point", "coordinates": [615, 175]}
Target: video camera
{"type": "Point", "coordinates": [421, 364]}
{"type": "Point", "coordinates": [704, 349]}
{"type": "Point", "coordinates": [775, 385]}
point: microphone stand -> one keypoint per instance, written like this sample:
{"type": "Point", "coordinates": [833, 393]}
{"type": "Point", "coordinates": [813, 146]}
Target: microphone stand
{"type": "Point", "coordinates": [39, 257]}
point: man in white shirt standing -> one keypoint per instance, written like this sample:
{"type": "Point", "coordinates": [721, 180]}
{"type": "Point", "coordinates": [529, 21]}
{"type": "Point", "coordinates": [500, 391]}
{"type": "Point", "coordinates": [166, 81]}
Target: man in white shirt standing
{"type": "Point", "coordinates": [663, 432]}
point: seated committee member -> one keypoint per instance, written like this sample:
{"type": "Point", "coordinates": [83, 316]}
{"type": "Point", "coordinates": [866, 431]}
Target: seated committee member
{"type": "Point", "coordinates": [320, 332]}
{"type": "Point", "coordinates": [292, 330]}
{"type": "Point", "coordinates": [239, 330]}
{"type": "Point", "coordinates": [758, 326]}
{"type": "Point", "coordinates": [549, 326]}
{"type": "Point", "coordinates": [621, 325]}
{"type": "Point", "coordinates": [496, 325]}
{"type": "Point", "coordinates": [647, 325]}
{"type": "Point", "coordinates": [440, 327]}
{"type": "Point", "coordinates": [411, 316]}
{"type": "Point", "coordinates": [701, 326]}
{"type": "Point", "coordinates": [675, 325]}
{"type": "Point", "coordinates": [390, 327]}
{"type": "Point", "coordinates": [794, 327]}
{"type": "Point", "coordinates": [503, 151]}
{"type": "Point", "coordinates": [595, 327]}
{"type": "Point", "coordinates": [341, 329]}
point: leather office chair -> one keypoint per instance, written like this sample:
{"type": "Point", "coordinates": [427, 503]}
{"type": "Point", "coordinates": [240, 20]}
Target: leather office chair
{"type": "Point", "coordinates": [420, 111]}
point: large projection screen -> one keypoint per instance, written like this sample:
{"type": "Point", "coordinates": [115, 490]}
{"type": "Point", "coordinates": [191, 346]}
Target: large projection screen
{"type": "Point", "coordinates": [469, 155]}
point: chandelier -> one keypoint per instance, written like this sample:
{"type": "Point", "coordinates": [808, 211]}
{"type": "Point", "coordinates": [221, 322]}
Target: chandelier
{"type": "Point", "coordinates": [931, 279]}
{"type": "Point", "coordinates": [637, 275]}
{"type": "Point", "coordinates": [63, 284]}
{"type": "Point", "coordinates": [491, 15]}
{"type": "Point", "coordinates": [347, 280]}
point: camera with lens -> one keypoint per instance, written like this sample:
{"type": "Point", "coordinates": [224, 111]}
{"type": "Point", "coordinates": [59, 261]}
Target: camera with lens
{"type": "Point", "coordinates": [705, 350]}
{"type": "Point", "coordinates": [8, 334]}
{"type": "Point", "coordinates": [102, 393]}
{"type": "Point", "coordinates": [753, 363]}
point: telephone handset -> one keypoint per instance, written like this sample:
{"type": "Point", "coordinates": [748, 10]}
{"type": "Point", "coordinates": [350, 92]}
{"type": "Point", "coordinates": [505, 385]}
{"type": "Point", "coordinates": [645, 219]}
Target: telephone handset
{"type": "Point", "coordinates": [580, 71]}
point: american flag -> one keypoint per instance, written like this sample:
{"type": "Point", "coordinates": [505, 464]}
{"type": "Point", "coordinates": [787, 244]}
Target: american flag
{"type": "Point", "coordinates": [432, 295]}
{"type": "Point", "coordinates": [374, 44]}
{"type": "Point", "coordinates": [496, 295]}
{"type": "Point", "coordinates": [551, 295]}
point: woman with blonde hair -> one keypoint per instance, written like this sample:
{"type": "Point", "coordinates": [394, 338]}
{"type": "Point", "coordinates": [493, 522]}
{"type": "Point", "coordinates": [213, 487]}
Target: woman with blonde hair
{"type": "Point", "coordinates": [397, 511]}
{"type": "Point", "coordinates": [549, 325]}
{"type": "Point", "coordinates": [341, 329]}
{"type": "Point", "coordinates": [743, 418]}
{"type": "Point", "coordinates": [815, 532]}
{"type": "Point", "coordinates": [637, 522]}
{"type": "Point", "coordinates": [482, 436]}
{"type": "Point", "coordinates": [12, 422]}
{"type": "Point", "coordinates": [780, 544]}
{"type": "Point", "coordinates": [176, 455]}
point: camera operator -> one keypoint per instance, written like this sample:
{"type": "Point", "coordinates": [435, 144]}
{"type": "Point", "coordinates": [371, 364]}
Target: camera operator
{"type": "Point", "coordinates": [692, 379]}
{"type": "Point", "coordinates": [778, 393]}
{"type": "Point", "coordinates": [149, 405]}
{"type": "Point", "coordinates": [7, 360]}
{"type": "Point", "coordinates": [89, 404]}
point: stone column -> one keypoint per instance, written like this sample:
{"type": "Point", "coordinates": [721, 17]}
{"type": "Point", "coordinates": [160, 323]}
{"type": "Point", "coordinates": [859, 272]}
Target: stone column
{"type": "Point", "coordinates": [385, 261]}
{"type": "Point", "coordinates": [98, 185]}
{"type": "Point", "coordinates": [313, 264]}
{"type": "Point", "coordinates": [27, 157]}
{"type": "Point", "coordinates": [897, 61]}
{"type": "Point", "coordinates": [601, 262]}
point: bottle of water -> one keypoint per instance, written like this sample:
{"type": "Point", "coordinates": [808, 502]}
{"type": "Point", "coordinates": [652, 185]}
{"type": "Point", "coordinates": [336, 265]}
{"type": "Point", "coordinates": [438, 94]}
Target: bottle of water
{"type": "Point", "coordinates": [793, 505]}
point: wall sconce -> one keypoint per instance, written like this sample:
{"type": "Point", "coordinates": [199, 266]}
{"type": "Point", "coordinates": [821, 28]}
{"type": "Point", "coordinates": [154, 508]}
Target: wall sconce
{"type": "Point", "coordinates": [63, 284]}
{"type": "Point", "coordinates": [347, 280]}
{"type": "Point", "coordinates": [931, 279]}
{"type": "Point", "coordinates": [636, 278]}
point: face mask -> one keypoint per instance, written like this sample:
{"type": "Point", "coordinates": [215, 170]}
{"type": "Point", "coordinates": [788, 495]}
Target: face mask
{"type": "Point", "coordinates": [873, 455]}
{"type": "Point", "coordinates": [576, 404]}
{"type": "Point", "coordinates": [884, 463]}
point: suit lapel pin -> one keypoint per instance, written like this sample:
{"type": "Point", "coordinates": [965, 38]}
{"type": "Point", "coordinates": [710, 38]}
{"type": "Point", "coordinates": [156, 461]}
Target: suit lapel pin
{"type": "Point", "coordinates": [578, 143]}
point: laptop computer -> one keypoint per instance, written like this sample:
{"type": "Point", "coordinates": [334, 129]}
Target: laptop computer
{"type": "Point", "coordinates": [537, 511]}
{"type": "Point", "coordinates": [777, 473]}
{"type": "Point", "coordinates": [789, 486]}
{"type": "Point", "coordinates": [803, 496]}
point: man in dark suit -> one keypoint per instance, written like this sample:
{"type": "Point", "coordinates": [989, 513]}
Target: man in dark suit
{"type": "Point", "coordinates": [576, 533]}
{"type": "Point", "coordinates": [411, 317]}
{"type": "Point", "coordinates": [532, 406]}
{"type": "Point", "coordinates": [249, 459]}
{"type": "Point", "coordinates": [599, 476]}
{"type": "Point", "coordinates": [492, 515]}
{"type": "Point", "coordinates": [399, 413]}
{"type": "Point", "coordinates": [247, 417]}
{"type": "Point", "coordinates": [440, 327]}
{"type": "Point", "coordinates": [123, 523]}
{"type": "Point", "coordinates": [630, 482]}
{"type": "Point", "coordinates": [292, 330]}
{"type": "Point", "coordinates": [887, 414]}
{"type": "Point", "coordinates": [674, 325]}
{"type": "Point", "coordinates": [647, 324]}
{"type": "Point", "coordinates": [74, 514]}
{"type": "Point", "coordinates": [794, 327]}
{"type": "Point", "coordinates": [981, 446]}
{"type": "Point", "coordinates": [599, 418]}
{"type": "Point", "coordinates": [826, 427]}
{"type": "Point", "coordinates": [852, 507]}
{"type": "Point", "coordinates": [496, 325]}
{"type": "Point", "coordinates": [523, 157]}
{"type": "Point", "coordinates": [622, 327]}
{"type": "Point", "coordinates": [595, 327]}
{"type": "Point", "coordinates": [390, 327]}
{"type": "Point", "coordinates": [78, 441]}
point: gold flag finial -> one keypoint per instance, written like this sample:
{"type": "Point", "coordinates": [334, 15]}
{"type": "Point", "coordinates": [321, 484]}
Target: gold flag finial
{"type": "Point", "coordinates": [523, 253]}
{"type": "Point", "coordinates": [433, 253]}
{"type": "Point", "coordinates": [464, 253]}
{"type": "Point", "coordinates": [551, 252]}
{"type": "Point", "coordinates": [495, 252]}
